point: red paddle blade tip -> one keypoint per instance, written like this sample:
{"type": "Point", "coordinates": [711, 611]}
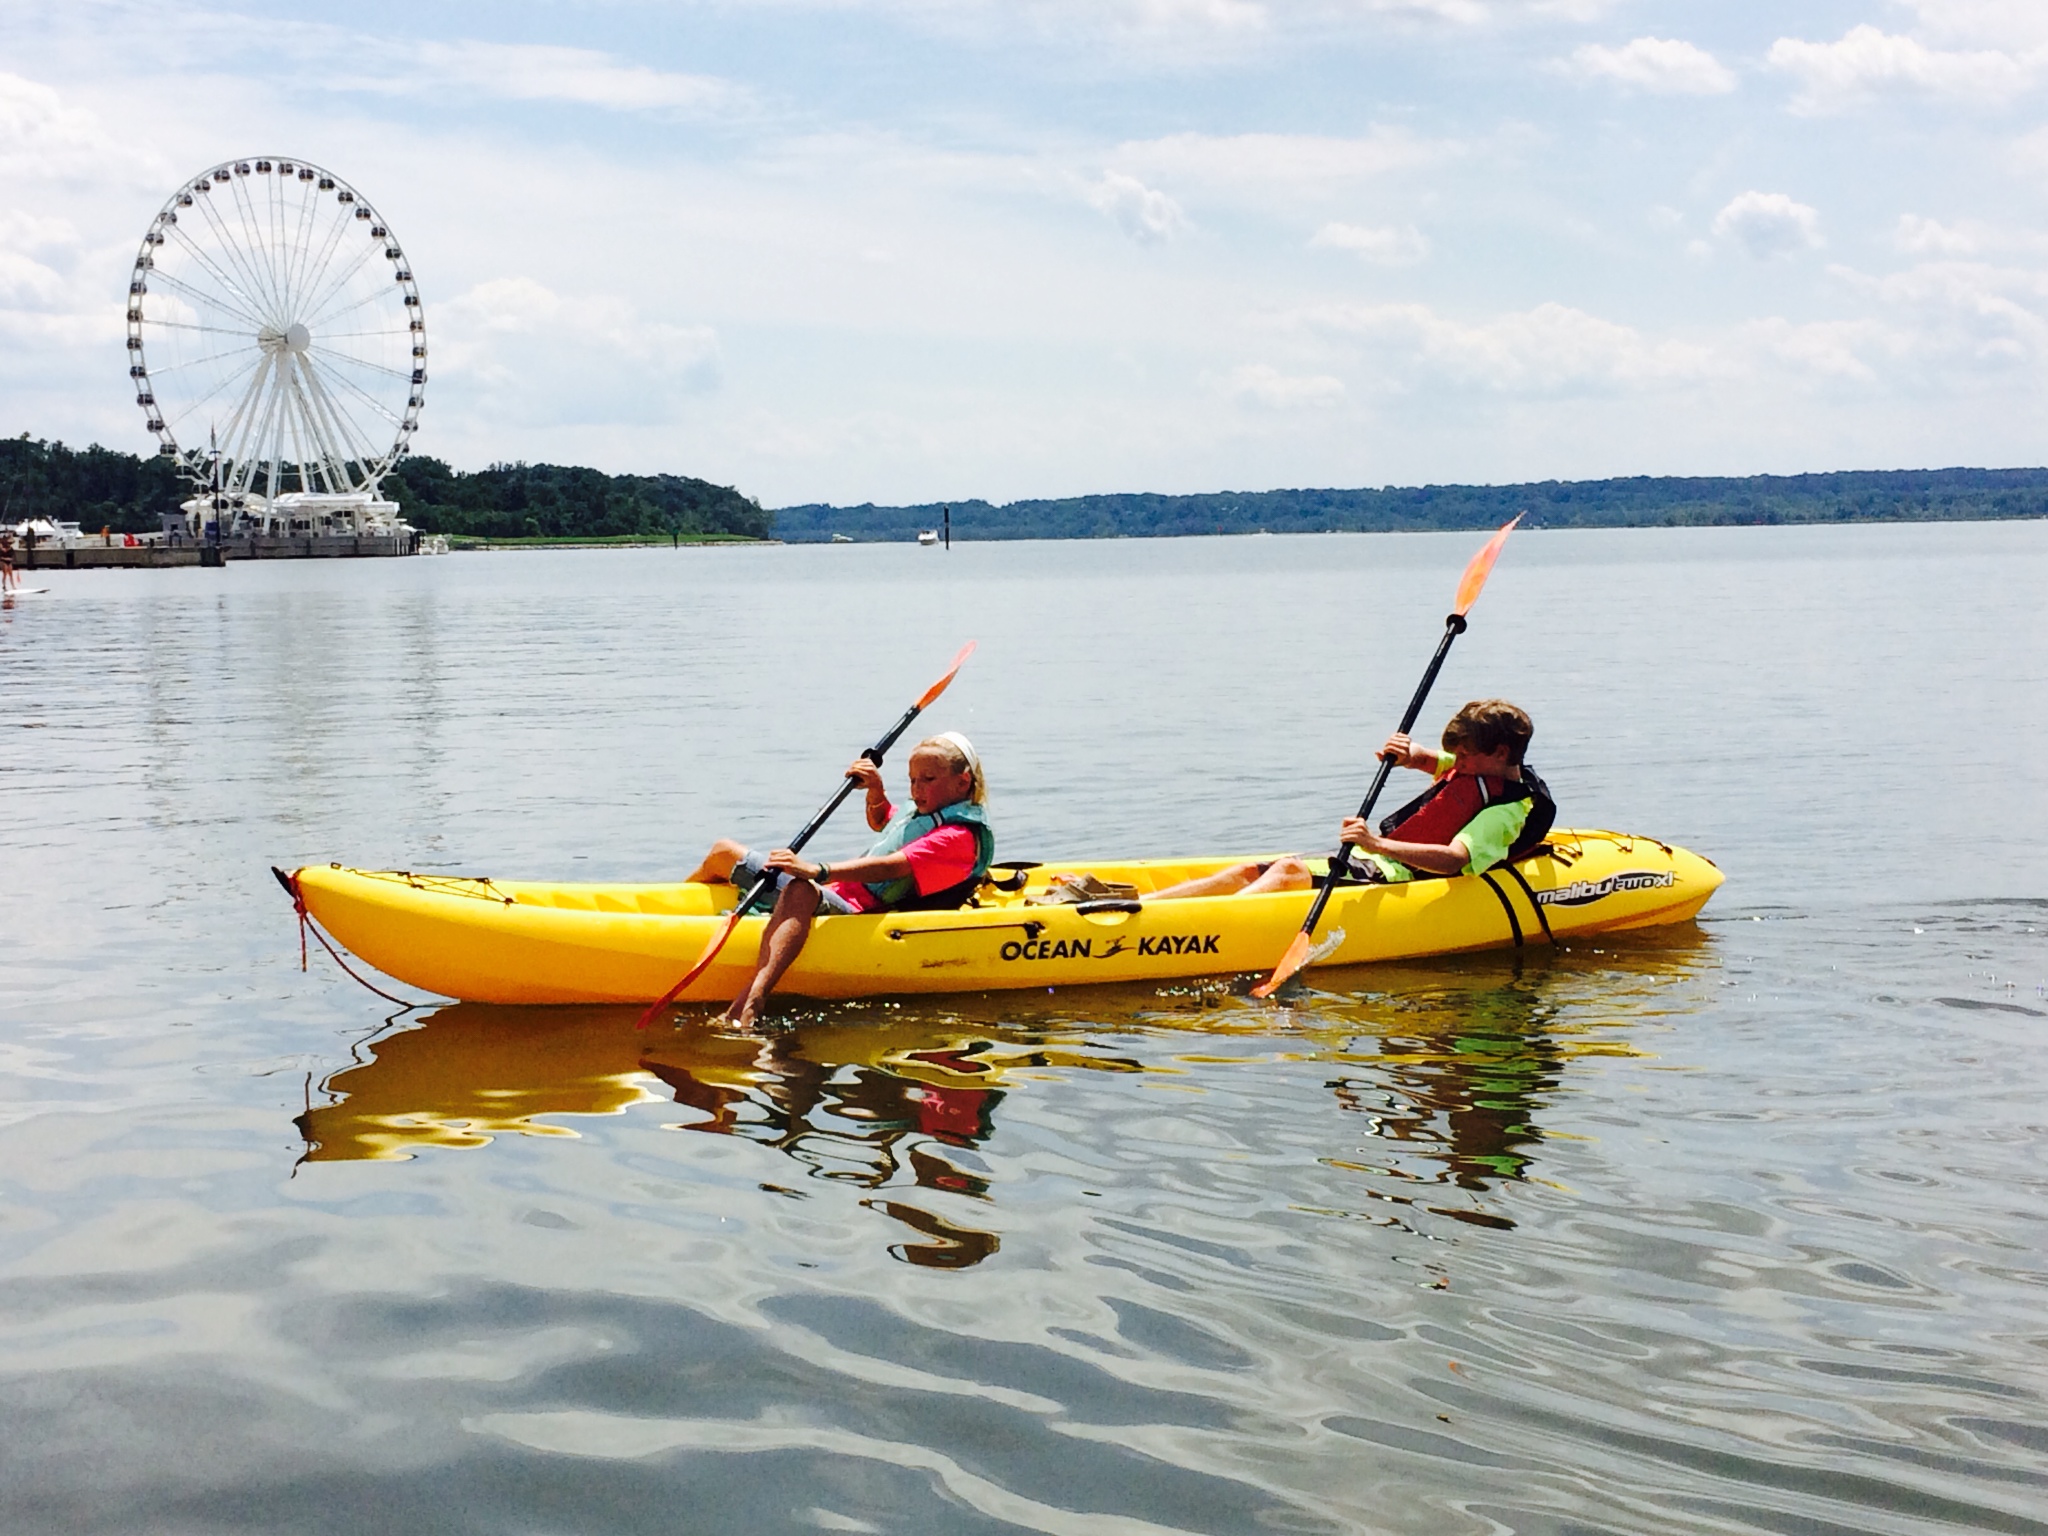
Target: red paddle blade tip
{"type": "Point", "coordinates": [951, 672]}
{"type": "Point", "coordinates": [1481, 568]}
{"type": "Point", "coordinates": [1290, 963]}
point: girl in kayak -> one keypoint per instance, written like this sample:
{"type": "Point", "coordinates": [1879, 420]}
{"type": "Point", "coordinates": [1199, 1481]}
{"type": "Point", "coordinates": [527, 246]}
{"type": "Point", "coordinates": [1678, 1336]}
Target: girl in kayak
{"type": "Point", "coordinates": [931, 856]}
{"type": "Point", "coordinates": [1485, 807]}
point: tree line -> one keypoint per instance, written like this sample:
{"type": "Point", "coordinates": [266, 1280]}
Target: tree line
{"type": "Point", "coordinates": [1643, 501]}
{"type": "Point", "coordinates": [104, 488]}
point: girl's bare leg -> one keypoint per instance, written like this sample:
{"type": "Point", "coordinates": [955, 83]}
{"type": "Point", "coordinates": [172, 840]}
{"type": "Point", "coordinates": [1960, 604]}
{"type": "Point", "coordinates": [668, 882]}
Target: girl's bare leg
{"type": "Point", "coordinates": [789, 925]}
{"type": "Point", "coordinates": [718, 863]}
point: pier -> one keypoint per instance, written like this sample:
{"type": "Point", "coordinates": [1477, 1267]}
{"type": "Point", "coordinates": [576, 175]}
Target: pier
{"type": "Point", "coordinates": [106, 553]}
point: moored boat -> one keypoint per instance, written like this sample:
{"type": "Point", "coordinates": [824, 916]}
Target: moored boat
{"type": "Point", "coordinates": [484, 940]}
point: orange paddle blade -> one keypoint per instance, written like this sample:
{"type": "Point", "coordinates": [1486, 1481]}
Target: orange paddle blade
{"type": "Point", "coordinates": [703, 963]}
{"type": "Point", "coordinates": [1480, 568]}
{"type": "Point", "coordinates": [940, 686]}
{"type": "Point", "coordinates": [1291, 962]}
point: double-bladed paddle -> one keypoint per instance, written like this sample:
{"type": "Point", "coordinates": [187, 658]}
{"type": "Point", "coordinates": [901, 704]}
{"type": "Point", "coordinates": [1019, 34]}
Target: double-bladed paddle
{"type": "Point", "coordinates": [874, 755]}
{"type": "Point", "coordinates": [1474, 578]}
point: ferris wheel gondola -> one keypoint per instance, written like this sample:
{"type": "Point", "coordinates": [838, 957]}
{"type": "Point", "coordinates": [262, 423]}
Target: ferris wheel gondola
{"type": "Point", "coordinates": [278, 348]}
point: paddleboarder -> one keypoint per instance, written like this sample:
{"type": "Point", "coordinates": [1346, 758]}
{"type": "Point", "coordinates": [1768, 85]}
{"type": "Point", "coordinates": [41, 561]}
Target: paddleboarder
{"type": "Point", "coordinates": [1486, 805]}
{"type": "Point", "coordinates": [931, 856]}
{"type": "Point", "coordinates": [9, 580]}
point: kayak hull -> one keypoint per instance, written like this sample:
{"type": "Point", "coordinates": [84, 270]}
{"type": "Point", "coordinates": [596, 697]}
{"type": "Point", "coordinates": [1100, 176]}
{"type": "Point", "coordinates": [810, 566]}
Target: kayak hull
{"type": "Point", "coordinates": [530, 943]}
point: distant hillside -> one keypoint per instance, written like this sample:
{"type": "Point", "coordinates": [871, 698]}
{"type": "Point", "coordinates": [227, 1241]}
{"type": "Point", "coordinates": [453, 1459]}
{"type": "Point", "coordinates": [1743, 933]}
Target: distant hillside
{"type": "Point", "coordinates": [1911, 495]}
{"type": "Point", "coordinates": [510, 501]}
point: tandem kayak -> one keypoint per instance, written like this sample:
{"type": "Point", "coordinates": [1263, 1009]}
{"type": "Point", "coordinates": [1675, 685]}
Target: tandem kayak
{"type": "Point", "coordinates": [496, 941]}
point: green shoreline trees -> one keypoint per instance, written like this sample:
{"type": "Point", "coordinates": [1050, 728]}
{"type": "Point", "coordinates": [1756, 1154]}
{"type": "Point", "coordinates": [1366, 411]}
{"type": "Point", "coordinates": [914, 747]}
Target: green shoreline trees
{"type": "Point", "coordinates": [102, 487]}
{"type": "Point", "coordinates": [1852, 496]}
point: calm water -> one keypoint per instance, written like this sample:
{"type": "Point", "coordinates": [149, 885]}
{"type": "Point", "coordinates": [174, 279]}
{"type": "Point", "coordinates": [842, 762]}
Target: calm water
{"type": "Point", "coordinates": [1739, 1227]}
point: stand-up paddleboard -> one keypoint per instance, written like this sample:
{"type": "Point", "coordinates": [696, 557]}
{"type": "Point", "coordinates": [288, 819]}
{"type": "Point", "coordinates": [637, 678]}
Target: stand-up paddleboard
{"type": "Point", "coordinates": [13, 592]}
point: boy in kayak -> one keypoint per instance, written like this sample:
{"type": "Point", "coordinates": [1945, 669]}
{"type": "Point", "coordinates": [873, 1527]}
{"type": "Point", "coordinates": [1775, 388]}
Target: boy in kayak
{"type": "Point", "coordinates": [1485, 806]}
{"type": "Point", "coordinates": [930, 857]}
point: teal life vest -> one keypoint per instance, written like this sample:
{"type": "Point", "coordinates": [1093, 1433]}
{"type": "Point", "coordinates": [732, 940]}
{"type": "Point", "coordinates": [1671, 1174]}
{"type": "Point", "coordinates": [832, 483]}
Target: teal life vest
{"type": "Point", "coordinates": [901, 895]}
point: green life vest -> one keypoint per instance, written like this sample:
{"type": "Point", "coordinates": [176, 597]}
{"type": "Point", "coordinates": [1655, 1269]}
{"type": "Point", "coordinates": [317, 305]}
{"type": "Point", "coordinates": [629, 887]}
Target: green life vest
{"type": "Point", "coordinates": [906, 829]}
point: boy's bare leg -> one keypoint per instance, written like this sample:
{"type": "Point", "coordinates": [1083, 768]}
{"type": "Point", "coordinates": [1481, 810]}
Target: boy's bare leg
{"type": "Point", "coordinates": [717, 866]}
{"type": "Point", "coordinates": [1225, 882]}
{"type": "Point", "coordinates": [789, 925]}
{"type": "Point", "coordinates": [1288, 874]}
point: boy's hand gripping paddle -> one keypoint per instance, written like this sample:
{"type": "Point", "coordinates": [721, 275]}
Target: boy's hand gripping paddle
{"type": "Point", "coordinates": [874, 755]}
{"type": "Point", "coordinates": [1475, 576]}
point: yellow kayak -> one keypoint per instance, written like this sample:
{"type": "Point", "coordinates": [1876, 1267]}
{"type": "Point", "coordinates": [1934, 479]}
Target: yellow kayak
{"type": "Point", "coordinates": [491, 941]}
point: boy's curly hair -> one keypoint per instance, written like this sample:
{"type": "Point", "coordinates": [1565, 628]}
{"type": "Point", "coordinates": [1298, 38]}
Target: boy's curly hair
{"type": "Point", "coordinates": [1487, 725]}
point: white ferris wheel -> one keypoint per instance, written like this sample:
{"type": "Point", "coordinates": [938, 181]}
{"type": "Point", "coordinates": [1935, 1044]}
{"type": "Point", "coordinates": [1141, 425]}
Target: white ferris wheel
{"type": "Point", "coordinates": [277, 344]}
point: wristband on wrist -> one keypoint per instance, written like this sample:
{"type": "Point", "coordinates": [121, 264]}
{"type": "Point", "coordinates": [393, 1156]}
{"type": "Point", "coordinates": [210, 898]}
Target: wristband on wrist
{"type": "Point", "coordinates": [824, 873]}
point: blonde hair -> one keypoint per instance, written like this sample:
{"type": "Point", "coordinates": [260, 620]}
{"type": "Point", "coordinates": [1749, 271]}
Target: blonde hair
{"type": "Point", "coordinates": [959, 751]}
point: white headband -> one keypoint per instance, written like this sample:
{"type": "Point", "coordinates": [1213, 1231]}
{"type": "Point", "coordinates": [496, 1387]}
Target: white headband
{"type": "Point", "coordinates": [966, 750]}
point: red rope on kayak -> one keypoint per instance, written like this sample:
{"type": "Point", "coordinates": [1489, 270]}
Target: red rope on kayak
{"type": "Point", "coordinates": [306, 922]}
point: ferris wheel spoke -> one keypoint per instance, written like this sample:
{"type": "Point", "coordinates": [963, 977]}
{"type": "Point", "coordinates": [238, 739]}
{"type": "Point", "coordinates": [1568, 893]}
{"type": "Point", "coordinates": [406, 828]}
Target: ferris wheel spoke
{"type": "Point", "coordinates": [182, 325]}
{"type": "Point", "coordinates": [248, 284]}
{"type": "Point", "coordinates": [395, 333]}
{"type": "Point", "coordinates": [234, 283]}
{"type": "Point", "coordinates": [185, 412]}
{"type": "Point", "coordinates": [260, 260]}
{"type": "Point", "coordinates": [302, 245]}
{"type": "Point", "coordinates": [243, 256]}
{"type": "Point", "coordinates": [243, 304]}
{"type": "Point", "coordinates": [315, 283]}
{"type": "Point", "coordinates": [370, 400]}
{"type": "Point", "coordinates": [194, 362]}
{"type": "Point", "coordinates": [202, 298]}
{"type": "Point", "coordinates": [298, 418]}
{"type": "Point", "coordinates": [244, 431]}
{"type": "Point", "coordinates": [341, 427]}
{"type": "Point", "coordinates": [363, 362]}
{"type": "Point", "coordinates": [339, 289]}
{"type": "Point", "coordinates": [344, 420]}
{"type": "Point", "coordinates": [241, 421]}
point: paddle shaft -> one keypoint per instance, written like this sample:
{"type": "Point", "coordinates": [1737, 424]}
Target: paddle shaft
{"type": "Point", "coordinates": [1454, 626]}
{"type": "Point", "coordinates": [873, 754]}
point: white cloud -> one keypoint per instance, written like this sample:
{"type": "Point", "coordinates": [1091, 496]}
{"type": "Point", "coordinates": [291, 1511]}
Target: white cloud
{"type": "Point", "coordinates": [1145, 214]}
{"type": "Point", "coordinates": [1928, 237]}
{"type": "Point", "coordinates": [1401, 246]}
{"type": "Point", "coordinates": [2012, 25]}
{"type": "Point", "coordinates": [1661, 66]}
{"type": "Point", "coordinates": [1867, 62]}
{"type": "Point", "coordinates": [41, 136]}
{"type": "Point", "coordinates": [514, 348]}
{"type": "Point", "coordinates": [1964, 315]}
{"type": "Point", "coordinates": [1551, 349]}
{"type": "Point", "coordinates": [1768, 225]}
{"type": "Point", "coordinates": [1263, 164]}
{"type": "Point", "coordinates": [532, 72]}
{"type": "Point", "coordinates": [1262, 384]}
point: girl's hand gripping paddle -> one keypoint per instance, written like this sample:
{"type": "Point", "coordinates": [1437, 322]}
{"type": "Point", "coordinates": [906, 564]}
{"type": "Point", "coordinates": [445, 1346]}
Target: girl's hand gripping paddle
{"type": "Point", "coordinates": [874, 755]}
{"type": "Point", "coordinates": [1468, 593]}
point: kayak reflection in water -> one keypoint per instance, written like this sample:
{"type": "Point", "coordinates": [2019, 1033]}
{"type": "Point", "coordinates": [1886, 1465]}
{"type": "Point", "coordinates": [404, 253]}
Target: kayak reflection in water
{"type": "Point", "coordinates": [931, 857]}
{"type": "Point", "coordinates": [1485, 806]}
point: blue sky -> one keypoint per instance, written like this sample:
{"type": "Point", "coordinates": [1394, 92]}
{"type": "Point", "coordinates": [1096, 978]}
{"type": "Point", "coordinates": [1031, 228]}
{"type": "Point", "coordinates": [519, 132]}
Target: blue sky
{"type": "Point", "coordinates": [927, 249]}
